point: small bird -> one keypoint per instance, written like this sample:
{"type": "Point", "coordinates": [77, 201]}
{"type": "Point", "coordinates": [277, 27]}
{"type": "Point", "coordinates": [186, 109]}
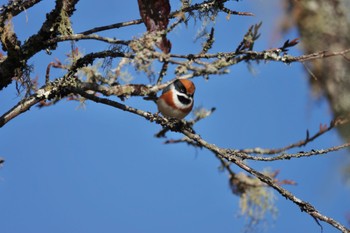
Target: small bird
{"type": "Point", "coordinates": [177, 99]}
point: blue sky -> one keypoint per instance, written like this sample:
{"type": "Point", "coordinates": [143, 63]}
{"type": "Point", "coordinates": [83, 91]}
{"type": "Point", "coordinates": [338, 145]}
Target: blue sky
{"type": "Point", "coordinates": [98, 169]}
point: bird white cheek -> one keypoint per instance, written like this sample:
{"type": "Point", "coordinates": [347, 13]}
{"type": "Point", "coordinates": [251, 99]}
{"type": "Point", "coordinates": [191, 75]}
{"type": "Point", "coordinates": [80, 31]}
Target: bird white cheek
{"type": "Point", "coordinates": [168, 111]}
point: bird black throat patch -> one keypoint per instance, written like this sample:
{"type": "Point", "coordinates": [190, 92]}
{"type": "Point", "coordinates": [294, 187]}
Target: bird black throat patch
{"type": "Point", "coordinates": [183, 99]}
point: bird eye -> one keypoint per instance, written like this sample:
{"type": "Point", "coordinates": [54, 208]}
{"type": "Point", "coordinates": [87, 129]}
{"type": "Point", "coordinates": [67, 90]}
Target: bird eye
{"type": "Point", "coordinates": [179, 86]}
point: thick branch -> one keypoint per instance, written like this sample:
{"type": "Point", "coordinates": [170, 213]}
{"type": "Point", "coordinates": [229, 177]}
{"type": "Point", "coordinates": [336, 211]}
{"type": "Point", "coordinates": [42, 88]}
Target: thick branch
{"type": "Point", "coordinates": [50, 28]}
{"type": "Point", "coordinates": [16, 60]}
{"type": "Point", "coordinates": [15, 7]}
{"type": "Point", "coordinates": [52, 90]}
{"type": "Point", "coordinates": [20, 108]}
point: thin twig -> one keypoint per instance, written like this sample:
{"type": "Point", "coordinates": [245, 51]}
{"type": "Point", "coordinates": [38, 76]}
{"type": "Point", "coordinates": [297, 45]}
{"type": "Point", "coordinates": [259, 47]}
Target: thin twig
{"type": "Point", "coordinates": [264, 55]}
{"type": "Point", "coordinates": [318, 55]}
{"type": "Point", "coordinates": [323, 129]}
{"type": "Point", "coordinates": [112, 26]}
{"type": "Point", "coordinates": [163, 72]}
{"type": "Point", "coordinates": [286, 156]}
{"type": "Point", "coordinates": [198, 6]}
{"type": "Point", "coordinates": [304, 206]}
{"type": "Point", "coordinates": [86, 37]}
{"type": "Point", "coordinates": [231, 12]}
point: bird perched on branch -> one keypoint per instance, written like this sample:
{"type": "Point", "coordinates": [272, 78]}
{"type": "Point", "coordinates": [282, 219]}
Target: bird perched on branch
{"type": "Point", "coordinates": [177, 99]}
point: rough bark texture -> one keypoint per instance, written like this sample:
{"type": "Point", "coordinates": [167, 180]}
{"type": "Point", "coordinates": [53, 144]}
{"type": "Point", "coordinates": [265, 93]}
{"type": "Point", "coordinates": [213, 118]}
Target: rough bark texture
{"type": "Point", "coordinates": [325, 25]}
{"type": "Point", "coordinates": [18, 53]}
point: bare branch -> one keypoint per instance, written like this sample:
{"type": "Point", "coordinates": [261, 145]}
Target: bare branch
{"type": "Point", "coordinates": [77, 37]}
{"type": "Point", "coordinates": [285, 156]}
{"type": "Point", "coordinates": [146, 115]}
{"type": "Point", "coordinates": [304, 206]}
{"type": "Point", "coordinates": [272, 55]}
{"type": "Point", "coordinates": [112, 26]}
{"type": "Point", "coordinates": [189, 66]}
{"type": "Point", "coordinates": [231, 12]}
{"type": "Point", "coordinates": [204, 5]}
{"type": "Point", "coordinates": [53, 90]}
{"type": "Point", "coordinates": [318, 55]}
{"type": "Point", "coordinates": [323, 129]}
{"type": "Point", "coordinates": [15, 7]}
{"type": "Point", "coordinates": [20, 108]}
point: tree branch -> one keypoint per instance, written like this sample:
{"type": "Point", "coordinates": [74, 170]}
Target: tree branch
{"type": "Point", "coordinates": [205, 5]}
{"type": "Point", "coordinates": [20, 108]}
{"type": "Point", "coordinates": [304, 206]}
{"type": "Point", "coordinates": [285, 156]}
{"type": "Point", "coordinates": [77, 37]}
{"type": "Point", "coordinates": [51, 34]}
{"type": "Point", "coordinates": [323, 129]}
{"type": "Point", "coordinates": [55, 25]}
{"type": "Point", "coordinates": [224, 153]}
{"type": "Point", "coordinates": [16, 61]}
{"type": "Point", "coordinates": [15, 7]}
{"type": "Point", "coordinates": [111, 26]}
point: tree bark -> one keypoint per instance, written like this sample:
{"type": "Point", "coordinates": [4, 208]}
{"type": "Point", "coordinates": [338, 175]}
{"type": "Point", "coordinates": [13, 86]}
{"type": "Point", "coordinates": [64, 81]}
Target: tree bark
{"type": "Point", "coordinates": [325, 25]}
